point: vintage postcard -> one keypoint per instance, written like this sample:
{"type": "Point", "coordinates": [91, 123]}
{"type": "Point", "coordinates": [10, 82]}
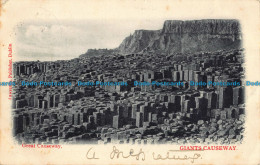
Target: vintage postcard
{"type": "Point", "coordinates": [130, 82]}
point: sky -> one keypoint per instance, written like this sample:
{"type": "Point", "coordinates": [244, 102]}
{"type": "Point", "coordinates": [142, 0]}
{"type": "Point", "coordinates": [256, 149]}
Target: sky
{"type": "Point", "coordinates": [64, 40]}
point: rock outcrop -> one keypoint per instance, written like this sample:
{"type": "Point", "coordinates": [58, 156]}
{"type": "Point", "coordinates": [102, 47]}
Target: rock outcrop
{"type": "Point", "coordinates": [98, 52]}
{"type": "Point", "coordinates": [181, 37]}
{"type": "Point", "coordinates": [185, 37]}
{"type": "Point", "coordinates": [138, 41]}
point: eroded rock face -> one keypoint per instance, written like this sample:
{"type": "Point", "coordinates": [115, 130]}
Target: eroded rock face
{"type": "Point", "coordinates": [208, 26]}
{"type": "Point", "coordinates": [185, 37]}
{"type": "Point", "coordinates": [138, 41]}
{"type": "Point", "coordinates": [180, 37]}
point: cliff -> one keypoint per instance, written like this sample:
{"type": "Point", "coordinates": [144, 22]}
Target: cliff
{"type": "Point", "coordinates": [138, 41]}
{"type": "Point", "coordinates": [184, 37]}
{"type": "Point", "coordinates": [210, 26]}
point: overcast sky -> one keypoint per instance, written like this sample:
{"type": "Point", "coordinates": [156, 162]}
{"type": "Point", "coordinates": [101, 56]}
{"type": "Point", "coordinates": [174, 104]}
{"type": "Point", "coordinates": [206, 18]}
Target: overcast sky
{"type": "Point", "coordinates": [46, 41]}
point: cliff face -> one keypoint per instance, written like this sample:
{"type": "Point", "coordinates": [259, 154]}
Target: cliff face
{"type": "Point", "coordinates": [181, 37]}
{"type": "Point", "coordinates": [214, 27]}
{"type": "Point", "coordinates": [138, 41]}
{"type": "Point", "coordinates": [185, 36]}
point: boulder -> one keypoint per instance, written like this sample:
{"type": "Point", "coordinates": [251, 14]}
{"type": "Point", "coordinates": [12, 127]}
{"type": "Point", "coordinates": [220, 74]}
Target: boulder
{"type": "Point", "coordinates": [200, 122]}
{"type": "Point", "coordinates": [232, 132]}
{"type": "Point", "coordinates": [220, 122]}
{"type": "Point", "coordinates": [222, 132]}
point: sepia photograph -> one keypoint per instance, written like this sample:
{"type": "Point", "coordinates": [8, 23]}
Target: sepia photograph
{"type": "Point", "coordinates": [178, 84]}
{"type": "Point", "coordinates": [129, 82]}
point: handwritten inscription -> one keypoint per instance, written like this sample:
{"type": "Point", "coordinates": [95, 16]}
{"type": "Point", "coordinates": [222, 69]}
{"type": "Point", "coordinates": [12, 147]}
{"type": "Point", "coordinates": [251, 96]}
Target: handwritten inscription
{"type": "Point", "coordinates": [171, 154]}
{"type": "Point", "coordinates": [140, 155]}
{"type": "Point", "coordinates": [89, 156]}
{"type": "Point", "coordinates": [117, 154]}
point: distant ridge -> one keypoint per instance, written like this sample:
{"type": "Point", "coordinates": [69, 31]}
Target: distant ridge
{"type": "Point", "coordinates": [178, 36]}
